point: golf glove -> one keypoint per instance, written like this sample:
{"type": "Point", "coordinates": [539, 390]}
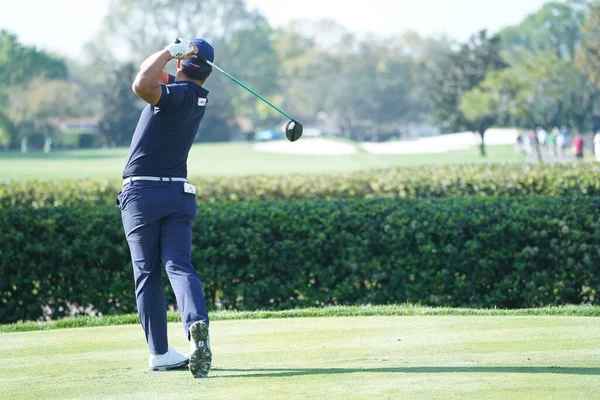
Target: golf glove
{"type": "Point", "coordinates": [180, 48]}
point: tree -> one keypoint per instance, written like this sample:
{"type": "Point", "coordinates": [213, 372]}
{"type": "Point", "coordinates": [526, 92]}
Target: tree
{"type": "Point", "coordinates": [429, 58]}
{"type": "Point", "coordinates": [544, 91]}
{"type": "Point", "coordinates": [555, 93]}
{"type": "Point", "coordinates": [7, 130]}
{"type": "Point", "coordinates": [33, 107]}
{"type": "Point", "coordinates": [375, 88]}
{"type": "Point", "coordinates": [479, 109]}
{"type": "Point", "coordinates": [366, 86]}
{"type": "Point", "coordinates": [303, 70]}
{"type": "Point", "coordinates": [588, 55]}
{"type": "Point", "coordinates": [120, 106]}
{"type": "Point", "coordinates": [140, 27]}
{"type": "Point", "coordinates": [91, 81]}
{"type": "Point", "coordinates": [465, 70]}
{"type": "Point", "coordinates": [19, 64]}
{"type": "Point", "coordinates": [251, 57]}
{"type": "Point", "coordinates": [555, 28]}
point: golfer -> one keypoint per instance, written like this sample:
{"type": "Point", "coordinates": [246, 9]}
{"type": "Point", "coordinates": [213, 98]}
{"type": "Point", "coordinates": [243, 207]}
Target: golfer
{"type": "Point", "coordinates": [158, 204]}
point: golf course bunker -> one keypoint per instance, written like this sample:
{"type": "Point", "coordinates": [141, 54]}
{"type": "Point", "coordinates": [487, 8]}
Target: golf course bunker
{"type": "Point", "coordinates": [319, 147]}
{"type": "Point", "coordinates": [427, 145]}
{"type": "Point", "coordinates": [442, 143]}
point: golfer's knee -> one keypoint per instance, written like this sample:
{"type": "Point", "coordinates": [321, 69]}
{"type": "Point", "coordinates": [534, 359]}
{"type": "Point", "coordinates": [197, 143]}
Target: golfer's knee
{"type": "Point", "coordinates": [179, 266]}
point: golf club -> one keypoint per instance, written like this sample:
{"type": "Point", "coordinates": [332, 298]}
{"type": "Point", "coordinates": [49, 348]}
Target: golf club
{"type": "Point", "coordinates": [293, 129]}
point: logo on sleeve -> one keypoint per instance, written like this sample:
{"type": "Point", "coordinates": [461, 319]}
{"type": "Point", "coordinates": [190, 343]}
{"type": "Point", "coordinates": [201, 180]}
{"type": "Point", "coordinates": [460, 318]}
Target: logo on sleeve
{"type": "Point", "coordinates": [201, 102]}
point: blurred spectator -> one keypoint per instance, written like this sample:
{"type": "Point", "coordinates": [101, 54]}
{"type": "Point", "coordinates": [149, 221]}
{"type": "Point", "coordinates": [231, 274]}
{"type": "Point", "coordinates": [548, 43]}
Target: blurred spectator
{"type": "Point", "coordinates": [552, 141]}
{"type": "Point", "coordinates": [578, 146]}
{"type": "Point", "coordinates": [534, 144]}
{"type": "Point", "coordinates": [528, 142]}
{"type": "Point", "coordinates": [542, 136]}
{"type": "Point", "coordinates": [597, 145]}
{"type": "Point", "coordinates": [564, 131]}
{"type": "Point", "coordinates": [519, 147]}
{"type": "Point", "coordinates": [24, 144]}
{"type": "Point", "coordinates": [47, 145]}
{"type": "Point", "coordinates": [560, 144]}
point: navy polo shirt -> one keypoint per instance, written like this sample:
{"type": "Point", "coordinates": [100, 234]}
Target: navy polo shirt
{"type": "Point", "coordinates": [165, 133]}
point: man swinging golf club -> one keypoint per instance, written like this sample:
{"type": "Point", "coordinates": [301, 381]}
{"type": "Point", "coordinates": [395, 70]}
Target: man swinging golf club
{"type": "Point", "coordinates": [158, 204]}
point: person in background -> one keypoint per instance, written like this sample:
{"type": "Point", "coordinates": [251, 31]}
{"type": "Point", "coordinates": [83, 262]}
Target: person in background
{"type": "Point", "coordinates": [519, 144]}
{"type": "Point", "coordinates": [535, 150]}
{"type": "Point", "coordinates": [578, 146]}
{"type": "Point", "coordinates": [566, 134]}
{"type": "Point", "coordinates": [597, 145]}
{"type": "Point", "coordinates": [528, 143]}
{"type": "Point", "coordinates": [552, 141]}
{"type": "Point", "coordinates": [542, 135]}
{"type": "Point", "coordinates": [560, 144]}
{"type": "Point", "coordinates": [47, 144]}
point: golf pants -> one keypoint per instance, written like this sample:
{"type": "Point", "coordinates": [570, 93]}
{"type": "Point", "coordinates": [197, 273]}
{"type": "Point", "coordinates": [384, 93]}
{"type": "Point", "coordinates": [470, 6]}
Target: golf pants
{"type": "Point", "coordinates": [157, 219]}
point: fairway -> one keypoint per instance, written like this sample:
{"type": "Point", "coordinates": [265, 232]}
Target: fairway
{"type": "Point", "coordinates": [431, 357]}
{"type": "Point", "coordinates": [227, 159]}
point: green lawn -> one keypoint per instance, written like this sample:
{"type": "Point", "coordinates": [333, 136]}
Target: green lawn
{"type": "Point", "coordinates": [376, 357]}
{"type": "Point", "coordinates": [226, 159]}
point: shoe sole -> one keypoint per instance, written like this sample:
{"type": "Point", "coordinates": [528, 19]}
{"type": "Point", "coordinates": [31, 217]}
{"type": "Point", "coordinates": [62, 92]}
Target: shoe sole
{"type": "Point", "coordinates": [201, 358]}
{"type": "Point", "coordinates": [170, 367]}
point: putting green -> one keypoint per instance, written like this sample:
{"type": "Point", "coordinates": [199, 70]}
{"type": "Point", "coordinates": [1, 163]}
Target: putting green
{"type": "Point", "coordinates": [440, 357]}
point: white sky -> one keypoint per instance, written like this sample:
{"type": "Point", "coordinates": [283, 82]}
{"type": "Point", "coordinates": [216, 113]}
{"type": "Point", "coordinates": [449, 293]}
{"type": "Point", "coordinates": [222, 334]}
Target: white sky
{"type": "Point", "coordinates": [64, 25]}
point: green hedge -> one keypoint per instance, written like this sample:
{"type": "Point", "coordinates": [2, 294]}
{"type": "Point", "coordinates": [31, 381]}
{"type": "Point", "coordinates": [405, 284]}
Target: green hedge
{"type": "Point", "coordinates": [474, 252]}
{"type": "Point", "coordinates": [414, 182]}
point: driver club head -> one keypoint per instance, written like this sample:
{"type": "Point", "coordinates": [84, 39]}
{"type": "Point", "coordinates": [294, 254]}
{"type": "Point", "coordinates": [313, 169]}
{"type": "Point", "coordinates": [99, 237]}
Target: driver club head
{"type": "Point", "coordinates": [293, 130]}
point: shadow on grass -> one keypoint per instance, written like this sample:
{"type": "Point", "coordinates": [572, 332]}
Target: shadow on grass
{"type": "Point", "coordinates": [287, 372]}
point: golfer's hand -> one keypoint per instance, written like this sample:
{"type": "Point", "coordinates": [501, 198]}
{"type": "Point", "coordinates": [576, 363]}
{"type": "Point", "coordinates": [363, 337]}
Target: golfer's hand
{"type": "Point", "coordinates": [191, 55]}
{"type": "Point", "coordinates": [182, 49]}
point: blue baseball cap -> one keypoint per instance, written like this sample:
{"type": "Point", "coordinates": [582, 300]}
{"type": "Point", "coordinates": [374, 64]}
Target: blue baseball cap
{"type": "Point", "coordinates": [205, 52]}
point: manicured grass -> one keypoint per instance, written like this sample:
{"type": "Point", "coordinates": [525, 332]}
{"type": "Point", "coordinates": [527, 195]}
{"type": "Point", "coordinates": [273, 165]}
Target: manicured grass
{"type": "Point", "coordinates": [335, 311]}
{"type": "Point", "coordinates": [377, 357]}
{"type": "Point", "coordinates": [227, 159]}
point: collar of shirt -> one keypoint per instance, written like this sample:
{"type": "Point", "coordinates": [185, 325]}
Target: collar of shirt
{"type": "Point", "coordinates": [200, 91]}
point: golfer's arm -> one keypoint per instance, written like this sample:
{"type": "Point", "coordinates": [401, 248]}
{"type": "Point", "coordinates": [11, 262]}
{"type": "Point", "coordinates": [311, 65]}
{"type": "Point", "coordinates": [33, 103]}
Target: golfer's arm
{"type": "Point", "coordinates": [147, 82]}
{"type": "Point", "coordinates": [164, 76]}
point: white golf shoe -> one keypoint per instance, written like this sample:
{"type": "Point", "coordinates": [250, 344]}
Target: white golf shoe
{"type": "Point", "coordinates": [201, 356]}
{"type": "Point", "coordinates": [172, 359]}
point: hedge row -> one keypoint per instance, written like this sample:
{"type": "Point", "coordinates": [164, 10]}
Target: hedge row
{"type": "Point", "coordinates": [415, 182]}
{"type": "Point", "coordinates": [474, 252]}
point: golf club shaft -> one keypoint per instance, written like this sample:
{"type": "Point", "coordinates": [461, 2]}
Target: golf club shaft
{"type": "Point", "coordinates": [245, 87]}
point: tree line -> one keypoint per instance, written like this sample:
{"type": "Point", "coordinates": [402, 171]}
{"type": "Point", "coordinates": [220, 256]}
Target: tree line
{"type": "Point", "coordinates": [541, 72]}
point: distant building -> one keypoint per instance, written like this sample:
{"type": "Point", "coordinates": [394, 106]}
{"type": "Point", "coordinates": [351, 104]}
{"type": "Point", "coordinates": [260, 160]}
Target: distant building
{"type": "Point", "coordinates": [78, 132]}
{"type": "Point", "coordinates": [244, 128]}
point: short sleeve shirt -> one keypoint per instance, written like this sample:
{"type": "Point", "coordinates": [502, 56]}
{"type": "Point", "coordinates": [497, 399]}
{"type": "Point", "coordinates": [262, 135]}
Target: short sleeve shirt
{"type": "Point", "coordinates": [165, 132]}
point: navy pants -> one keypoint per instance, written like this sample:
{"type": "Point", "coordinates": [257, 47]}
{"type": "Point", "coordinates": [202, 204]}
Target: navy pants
{"type": "Point", "coordinates": [157, 218]}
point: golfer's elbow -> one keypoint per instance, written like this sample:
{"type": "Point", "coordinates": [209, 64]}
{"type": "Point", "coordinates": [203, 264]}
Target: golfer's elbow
{"type": "Point", "coordinates": [148, 91]}
{"type": "Point", "coordinates": [141, 85]}
{"type": "Point", "coordinates": [137, 87]}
